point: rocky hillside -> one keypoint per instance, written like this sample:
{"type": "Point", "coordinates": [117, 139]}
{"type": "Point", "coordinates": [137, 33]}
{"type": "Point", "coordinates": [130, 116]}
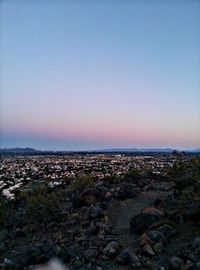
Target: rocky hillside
{"type": "Point", "coordinates": [143, 223]}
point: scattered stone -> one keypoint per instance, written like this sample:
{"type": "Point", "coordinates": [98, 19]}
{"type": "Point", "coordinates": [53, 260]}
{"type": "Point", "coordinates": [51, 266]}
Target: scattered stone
{"type": "Point", "coordinates": [148, 250]}
{"type": "Point", "coordinates": [126, 257]}
{"type": "Point", "coordinates": [144, 239]}
{"type": "Point", "coordinates": [3, 235]}
{"type": "Point", "coordinates": [196, 243]}
{"type": "Point", "coordinates": [156, 236]}
{"type": "Point", "coordinates": [176, 263]}
{"type": "Point", "coordinates": [158, 247]}
{"type": "Point", "coordinates": [188, 265]}
{"type": "Point", "coordinates": [191, 212]}
{"type": "Point", "coordinates": [111, 249]}
{"type": "Point", "coordinates": [167, 230]}
{"type": "Point", "coordinates": [153, 211]}
{"type": "Point", "coordinates": [91, 253]}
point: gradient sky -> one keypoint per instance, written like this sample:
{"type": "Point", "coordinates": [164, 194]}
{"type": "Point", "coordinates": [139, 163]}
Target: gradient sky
{"type": "Point", "coordinates": [92, 74]}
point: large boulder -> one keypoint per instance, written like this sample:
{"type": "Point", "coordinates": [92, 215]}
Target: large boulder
{"type": "Point", "coordinates": [176, 263]}
{"type": "Point", "coordinates": [126, 257]}
{"type": "Point", "coordinates": [142, 222]}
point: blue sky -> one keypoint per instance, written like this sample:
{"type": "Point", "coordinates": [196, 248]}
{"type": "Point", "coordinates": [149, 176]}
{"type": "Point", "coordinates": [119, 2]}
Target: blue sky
{"type": "Point", "coordinates": [96, 74]}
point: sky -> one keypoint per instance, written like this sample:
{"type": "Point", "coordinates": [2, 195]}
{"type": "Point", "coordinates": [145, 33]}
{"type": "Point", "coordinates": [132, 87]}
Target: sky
{"type": "Point", "coordinates": [88, 74]}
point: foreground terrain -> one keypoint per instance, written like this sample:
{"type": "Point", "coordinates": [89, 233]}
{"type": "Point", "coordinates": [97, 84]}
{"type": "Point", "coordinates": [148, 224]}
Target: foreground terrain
{"type": "Point", "coordinates": [147, 217]}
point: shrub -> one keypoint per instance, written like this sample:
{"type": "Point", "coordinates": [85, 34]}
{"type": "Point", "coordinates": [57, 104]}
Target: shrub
{"type": "Point", "coordinates": [41, 203]}
{"type": "Point", "coordinates": [186, 174]}
{"type": "Point", "coordinates": [80, 183]}
{"type": "Point", "coordinates": [5, 212]}
{"type": "Point", "coordinates": [133, 175]}
{"type": "Point", "coordinates": [111, 179]}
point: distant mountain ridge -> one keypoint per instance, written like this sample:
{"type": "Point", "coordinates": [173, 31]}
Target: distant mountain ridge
{"type": "Point", "coordinates": [138, 150]}
{"type": "Point", "coordinates": [18, 150]}
{"type": "Point", "coordinates": [28, 150]}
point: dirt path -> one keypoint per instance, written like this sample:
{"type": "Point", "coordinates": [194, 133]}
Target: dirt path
{"type": "Point", "coordinates": [121, 212]}
{"type": "Point", "coordinates": [120, 215]}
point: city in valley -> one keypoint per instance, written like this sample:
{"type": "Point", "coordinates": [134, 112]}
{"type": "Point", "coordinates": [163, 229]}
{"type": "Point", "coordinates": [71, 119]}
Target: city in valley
{"type": "Point", "coordinates": [18, 171]}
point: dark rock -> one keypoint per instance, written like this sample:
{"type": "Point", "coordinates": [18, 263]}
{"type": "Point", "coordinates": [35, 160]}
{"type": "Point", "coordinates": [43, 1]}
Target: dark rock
{"type": "Point", "coordinates": [125, 191]}
{"type": "Point", "coordinates": [196, 243]}
{"type": "Point", "coordinates": [69, 253]}
{"type": "Point", "coordinates": [142, 222]}
{"type": "Point", "coordinates": [191, 251]}
{"type": "Point", "coordinates": [126, 257]}
{"type": "Point", "coordinates": [153, 211]}
{"type": "Point", "coordinates": [3, 235]}
{"type": "Point", "coordinates": [196, 266]}
{"type": "Point", "coordinates": [158, 203]}
{"type": "Point", "coordinates": [148, 250]}
{"type": "Point", "coordinates": [156, 236]}
{"type": "Point", "coordinates": [96, 212]}
{"type": "Point", "coordinates": [191, 212]}
{"type": "Point", "coordinates": [176, 263]}
{"type": "Point", "coordinates": [158, 247]}
{"type": "Point", "coordinates": [167, 230]}
{"type": "Point", "coordinates": [91, 254]}
{"type": "Point", "coordinates": [188, 265]}
{"type": "Point", "coordinates": [8, 264]}
{"type": "Point", "coordinates": [111, 249]}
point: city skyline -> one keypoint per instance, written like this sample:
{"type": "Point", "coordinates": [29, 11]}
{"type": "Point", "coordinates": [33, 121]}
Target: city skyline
{"type": "Point", "coordinates": [86, 75]}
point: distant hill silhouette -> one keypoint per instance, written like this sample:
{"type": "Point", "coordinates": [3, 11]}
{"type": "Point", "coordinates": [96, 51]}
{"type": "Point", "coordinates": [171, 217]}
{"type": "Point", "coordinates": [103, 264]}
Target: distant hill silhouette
{"type": "Point", "coordinates": [32, 151]}
{"type": "Point", "coordinates": [18, 150]}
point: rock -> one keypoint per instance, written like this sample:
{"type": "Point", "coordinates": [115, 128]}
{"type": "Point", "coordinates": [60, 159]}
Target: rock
{"type": "Point", "coordinates": [108, 195]}
{"type": "Point", "coordinates": [104, 257]}
{"type": "Point", "coordinates": [176, 263]}
{"type": "Point", "coordinates": [153, 211]}
{"type": "Point", "coordinates": [142, 222]}
{"type": "Point", "coordinates": [111, 249]}
{"type": "Point", "coordinates": [167, 230]}
{"type": "Point", "coordinates": [148, 250]}
{"type": "Point", "coordinates": [196, 266]}
{"type": "Point", "coordinates": [188, 265]}
{"type": "Point", "coordinates": [196, 243]}
{"type": "Point", "coordinates": [91, 254]}
{"type": "Point", "coordinates": [92, 230]}
{"type": "Point", "coordinates": [96, 212]}
{"type": "Point", "coordinates": [191, 251]}
{"type": "Point", "coordinates": [8, 262]}
{"type": "Point", "coordinates": [191, 212]}
{"type": "Point", "coordinates": [158, 247]}
{"type": "Point", "coordinates": [3, 235]}
{"type": "Point", "coordinates": [126, 257]}
{"type": "Point", "coordinates": [158, 203]}
{"type": "Point", "coordinates": [144, 239]}
{"type": "Point", "coordinates": [156, 236]}
{"type": "Point", "coordinates": [69, 253]}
